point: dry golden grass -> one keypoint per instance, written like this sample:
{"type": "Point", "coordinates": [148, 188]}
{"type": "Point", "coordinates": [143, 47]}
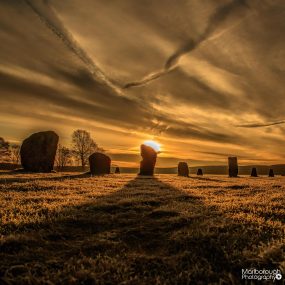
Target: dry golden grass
{"type": "Point", "coordinates": [123, 229]}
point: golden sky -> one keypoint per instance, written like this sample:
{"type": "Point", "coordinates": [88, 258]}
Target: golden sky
{"type": "Point", "coordinates": [203, 78]}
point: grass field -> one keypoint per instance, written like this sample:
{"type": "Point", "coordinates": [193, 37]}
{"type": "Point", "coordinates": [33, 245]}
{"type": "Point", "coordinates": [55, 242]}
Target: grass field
{"type": "Point", "coordinates": [124, 229]}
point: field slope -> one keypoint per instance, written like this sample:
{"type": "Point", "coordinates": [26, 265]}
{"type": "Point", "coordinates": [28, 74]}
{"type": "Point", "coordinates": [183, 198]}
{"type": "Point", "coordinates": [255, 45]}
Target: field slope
{"type": "Point", "coordinates": [124, 229]}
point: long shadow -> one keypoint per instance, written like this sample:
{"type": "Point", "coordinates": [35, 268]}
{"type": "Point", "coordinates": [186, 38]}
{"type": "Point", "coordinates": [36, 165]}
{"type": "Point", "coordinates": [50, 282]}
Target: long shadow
{"type": "Point", "coordinates": [148, 232]}
{"type": "Point", "coordinates": [63, 177]}
{"type": "Point", "coordinates": [31, 178]}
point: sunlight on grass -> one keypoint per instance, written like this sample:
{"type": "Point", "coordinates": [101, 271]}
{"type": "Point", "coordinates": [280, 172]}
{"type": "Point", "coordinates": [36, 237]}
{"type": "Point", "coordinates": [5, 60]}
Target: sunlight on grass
{"type": "Point", "coordinates": [156, 230]}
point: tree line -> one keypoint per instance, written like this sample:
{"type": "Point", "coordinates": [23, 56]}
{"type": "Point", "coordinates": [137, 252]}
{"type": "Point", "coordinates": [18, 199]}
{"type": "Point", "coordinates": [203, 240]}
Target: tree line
{"type": "Point", "coordinates": [82, 146]}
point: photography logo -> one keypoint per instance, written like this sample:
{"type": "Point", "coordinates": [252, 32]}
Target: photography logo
{"type": "Point", "coordinates": [261, 274]}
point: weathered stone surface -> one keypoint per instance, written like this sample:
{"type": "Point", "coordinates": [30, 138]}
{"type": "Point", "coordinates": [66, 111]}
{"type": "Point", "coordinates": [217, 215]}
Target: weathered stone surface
{"type": "Point", "coordinates": [147, 164]}
{"type": "Point", "coordinates": [183, 169]}
{"type": "Point", "coordinates": [117, 170]}
{"type": "Point", "coordinates": [233, 166]}
{"type": "Point", "coordinates": [99, 163]}
{"type": "Point", "coordinates": [38, 151]}
{"type": "Point", "coordinates": [253, 172]}
{"type": "Point", "coordinates": [271, 173]}
{"type": "Point", "coordinates": [200, 172]}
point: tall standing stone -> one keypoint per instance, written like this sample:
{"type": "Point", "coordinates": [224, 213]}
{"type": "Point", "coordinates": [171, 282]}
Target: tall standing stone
{"type": "Point", "coordinates": [38, 151]}
{"type": "Point", "coordinates": [233, 166]}
{"type": "Point", "coordinates": [99, 163]}
{"type": "Point", "coordinates": [117, 170]}
{"type": "Point", "coordinates": [271, 173]}
{"type": "Point", "coordinates": [147, 164]}
{"type": "Point", "coordinates": [254, 172]}
{"type": "Point", "coordinates": [200, 172]}
{"type": "Point", "coordinates": [183, 169]}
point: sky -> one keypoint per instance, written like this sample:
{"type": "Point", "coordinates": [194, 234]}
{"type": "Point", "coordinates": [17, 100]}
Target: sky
{"type": "Point", "coordinates": [205, 79]}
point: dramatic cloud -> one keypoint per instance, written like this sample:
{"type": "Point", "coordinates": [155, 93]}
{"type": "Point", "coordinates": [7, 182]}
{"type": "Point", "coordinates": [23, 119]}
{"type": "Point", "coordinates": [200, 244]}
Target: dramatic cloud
{"type": "Point", "coordinates": [214, 78]}
{"type": "Point", "coordinates": [215, 20]}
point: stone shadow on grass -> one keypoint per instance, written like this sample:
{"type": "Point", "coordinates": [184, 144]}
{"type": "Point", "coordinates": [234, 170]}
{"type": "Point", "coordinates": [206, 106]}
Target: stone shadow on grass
{"type": "Point", "coordinates": [148, 232]}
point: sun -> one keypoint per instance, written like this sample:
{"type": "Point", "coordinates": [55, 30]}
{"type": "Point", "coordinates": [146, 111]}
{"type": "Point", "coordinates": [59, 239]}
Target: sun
{"type": "Point", "coordinates": [153, 144]}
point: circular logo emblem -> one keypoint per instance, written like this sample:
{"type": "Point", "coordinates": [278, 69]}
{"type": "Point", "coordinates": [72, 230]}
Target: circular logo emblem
{"type": "Point", "coordinates": [278, 276]}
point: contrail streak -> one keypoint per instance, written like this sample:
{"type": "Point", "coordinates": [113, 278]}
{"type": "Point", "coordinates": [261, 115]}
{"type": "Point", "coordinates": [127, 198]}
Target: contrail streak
{"type": "Point", "coordinates": [147, 79]}
{"type": "Point", "coordinates": [217, 18]}
{"type": "Point", "coordinates": [257, 125]}
{"type": "Point", "coordinates": [50, 19]}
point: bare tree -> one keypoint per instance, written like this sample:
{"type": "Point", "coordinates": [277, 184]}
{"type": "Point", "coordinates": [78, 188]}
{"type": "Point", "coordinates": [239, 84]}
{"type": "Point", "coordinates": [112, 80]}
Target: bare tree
{"type": "Point", "coordinates": [63, 156]}
{"type": "Point", "coordinates": [4, 150]}
{"type": "Point", "coordinates": [83, 146]}
{"type": "Point", "coordinates": [15, 153]}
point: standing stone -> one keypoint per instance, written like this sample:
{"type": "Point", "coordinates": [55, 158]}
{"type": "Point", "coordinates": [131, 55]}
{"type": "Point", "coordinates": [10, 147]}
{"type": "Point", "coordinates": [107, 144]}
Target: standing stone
{"type": "Point", "coordinates": [200, 172]}
{"type": "Point", "coordinates": [233, 166]}
{"type": "Point", "coordinates": [99, 163]}
{"type": "Point", "coordinates": [148, 160]}
{"type": "Point", "coordinates": [183, 169]}
{"type": "Point", "coordinates": [117, 170]}
{"type": "Point", "coordinates": [271, 173]}
{"type": "Point", "coordinates": [253, 172]}
{"type": "Point", "coordinates": [38, 151]}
